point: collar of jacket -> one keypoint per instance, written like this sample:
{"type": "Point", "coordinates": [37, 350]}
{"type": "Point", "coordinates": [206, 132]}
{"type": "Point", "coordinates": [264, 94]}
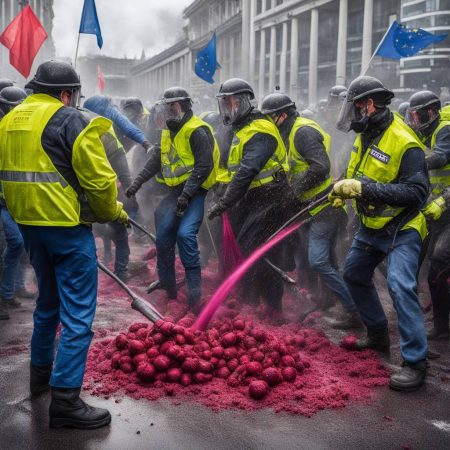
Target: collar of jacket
{"type": "Point", "coordinates": [378, 123]}
{"type": "Point", "coordinates": [185, 118]}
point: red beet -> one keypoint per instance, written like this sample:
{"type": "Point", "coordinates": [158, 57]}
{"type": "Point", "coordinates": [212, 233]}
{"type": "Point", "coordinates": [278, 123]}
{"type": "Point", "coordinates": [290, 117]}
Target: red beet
{"type": "Point", "coordinates": [189, 336]}
{"type": "Point", "coordinates": [174, 375]}
{"type": "Point", "coordinates": [230, 353]}
{"type": "Point", "coordinates": [152, 352]}
{"type": "Point", "coordinates": [180, 356]}
{"type": "Point", "coordinates": [173, 351]}
{"type": "Point", "coordinates": [166, 328]}
{"type": "Point", "coordinates": [159, 323]}
{"type": "Point", "coordinates": [137, 326]}
{"type": "Point", "coordinates": [205, 366]}
{"type": "Point", "coordinates": [221, 363]}
{"type": "Point", "coordinates": [275, 356]}
{"type": "Point", "coordinates": [161, 376]}
{"type": "Point", "coordinates": [190, 365]}
{"type": "Point", "coordinates": [200, 378]}
{"type": "Point", "coordinates": [115, 361]}
{"type": "Point", "coordinates": [217, 352]}
{"type": "Point", "coordinates": [177, 329]}
{"type": "Point", "coordinates": [288, 361]}
{"type": "Point", "coordinates": [131, 336]}
{"type": "Point", "coordinates": [125, 359]}
{"type": "Point", "coordinates": [268, 362]}
{"type": "Point", "coordinates": [289, 374]}
{"type": "Point", "coordinates": [180, 339]}
{"type": "Point", "coordinates": [126, 368]}
{"type": "Point", "coordinates": [186, 379]}
{"type": "Point", "coordinates": [139, 359]}
{"type": "Point", "coordinates": [258, 389]}
{"type": "Point", "coordinates": [239, 324]}
{"type": "Point", "coordinates": [141, 334]}
{"type": "Point", "coordinates": [223, 372]}
{"type": "Point", "coordinates": [233, 381]}
{"type": "Point", "coordinates": [121, 341]}
{"type": "Point", "coordinates": [253, 368]}
{"type": "Point", "coordinates": [149, 342]}
{"type": "Point", "coordinates": [158, 338]}
{"type": "Point", "coordinates": [135, 347]}
{"type": "Point", "coordinates": [146, 372]}
{"type": "Point", "coordinates": [259, 334]}
{"type": "Point", "coordinates": [272, 376]}
{"type": "Point", "coordinates": [207, 354]}
{"type": "Point", "coordinates": [161, 363]}
{"type": "Point", "coordinates": [249, 342]}
{"type": "Point", "coordinates": [258, 356]}
{"type": "Point", "coordinates": [244, 359]}
{"type": "Point", "coordinates": [228, 339]}
{"type": "Point", "coordinates": [233, 364]}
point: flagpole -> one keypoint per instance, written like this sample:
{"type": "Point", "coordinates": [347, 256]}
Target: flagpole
{"type": "Point", "coordinates": [363, 72]}
{"type": "Point", "coordinates": [76, 51]}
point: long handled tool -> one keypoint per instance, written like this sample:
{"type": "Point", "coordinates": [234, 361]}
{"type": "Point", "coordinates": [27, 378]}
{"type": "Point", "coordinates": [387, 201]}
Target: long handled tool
{"type": "Point", "coordinates": [143, 229]}
{"type": "Point", "coordinates": [137, 302]}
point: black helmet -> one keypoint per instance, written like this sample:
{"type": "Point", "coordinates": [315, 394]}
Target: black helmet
{"type": "Point", "coordinates": [423, 111]}
{"type": "Point", "coordinates": [56, 75]}
{"type": "Point", "coordinates": [235, 86]}
{"type": "Point", "coordinates": [336, 91]}
{"type": "Point", "coordinates": [276, 102]}
{"type": "Point", "coordinates": [5, 82]}
{"type": "Point", "coordinates": [211, 118]}
{"type": "Point", "coordinates": [10, 97]}
{"type": "Point", "coordinates": [424, 99]}
{"type": "Point", "coordinates": [365, 86]}
{"type": "Point", "coordinates": [131, 102]}
{"type": "Point", "coordinates": [175, 94]}
{"type": "Point", "coordinates": [402, 108]}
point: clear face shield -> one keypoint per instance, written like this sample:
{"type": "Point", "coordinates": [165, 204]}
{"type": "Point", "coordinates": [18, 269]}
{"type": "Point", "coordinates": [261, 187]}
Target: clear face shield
{"type": "Point", "coordinates": [75, 97]}
{"type": "Point", "coordinates": [168, 115]}
{"type": "Point", "coordinates": [349, 114]}
{"type": "Point", "coordinates": [419, 119]}
{"type": "Point", "coordinates": [234, 107]}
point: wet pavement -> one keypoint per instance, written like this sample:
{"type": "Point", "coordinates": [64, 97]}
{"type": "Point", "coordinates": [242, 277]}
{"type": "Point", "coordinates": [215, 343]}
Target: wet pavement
{"type": "Point", "coordinates": [393, 420]}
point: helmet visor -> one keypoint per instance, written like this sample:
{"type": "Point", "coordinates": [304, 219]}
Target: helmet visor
{"type": "Point", "coordinates": [234, 107]}
{"type": "Point", "coordinates": [419, 119]}
{"type": "Point", "coordinates": [347, 114]}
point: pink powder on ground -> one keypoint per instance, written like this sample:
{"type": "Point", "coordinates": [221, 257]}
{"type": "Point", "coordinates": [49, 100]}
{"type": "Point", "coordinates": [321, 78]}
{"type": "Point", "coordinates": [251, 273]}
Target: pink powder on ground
{"type": "Point", "coordinates": [327, 376]}
{"type": "Point", "coordinates": [227, 286]}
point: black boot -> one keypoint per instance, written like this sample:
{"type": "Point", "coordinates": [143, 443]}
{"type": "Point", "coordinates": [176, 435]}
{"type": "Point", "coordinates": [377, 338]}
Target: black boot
{"type": "Point", "coordinates": [438, 334]}
{"type": "Point", "coordinates": [346, 320]}
{"type": "Point", "coordinates": [410, 377]}
{"type": "Point", "coordinates": [4, 314]}
{"type": "Point", "coordinates": [376, 340]}
{"type": "Point", "coordinates": [39, 378]}
{"type": "Point", "coordinates": [68, 410]}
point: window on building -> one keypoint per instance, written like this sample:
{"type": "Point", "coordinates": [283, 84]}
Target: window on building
{"type": "Point", "coordinates": [442, 20]}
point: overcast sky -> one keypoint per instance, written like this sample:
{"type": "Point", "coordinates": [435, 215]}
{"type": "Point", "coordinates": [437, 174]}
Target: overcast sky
{"type": "Point", "coordinates": [128, 26]}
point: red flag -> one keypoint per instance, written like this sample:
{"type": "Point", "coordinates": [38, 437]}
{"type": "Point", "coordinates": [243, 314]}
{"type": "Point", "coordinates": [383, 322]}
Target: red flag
{"type": "Point", "coordinates": [23, 37]}
{"type": "Point", "coordinates": [101, 79]}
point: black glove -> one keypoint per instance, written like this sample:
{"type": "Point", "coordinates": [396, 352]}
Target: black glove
{"type": "Point", "coordinates": [182, 204]}
{"type": "Point", "coordinates": [215, 211]}
{"type": "Point", "coordinates": [133, 188]}
{"type": "Point", "coordinates": [130, 205]}
{"type": "Point", "coordinates": [147, 146]}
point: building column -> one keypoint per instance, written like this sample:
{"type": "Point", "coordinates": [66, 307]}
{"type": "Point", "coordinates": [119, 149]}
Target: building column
{"type": "Point", "coordinates": [283, 57]}
{"type": "Point", "coordinates": [231, 68]}
{"type": "Point", "coordinates": [262, 62]}
{"type": "Point", "coordinates": [252, 50]}
{"type": "Point", "coordinates": [341, 61]}
{"type": "Point", "coordinates": [294, 57]}
{"type": "Point", "coordinates": [313, 56]}
{"type": "Point", "coordinates": [245, 47]}
{"type": "Point", "coordinates": [367, 34]}
{"type": "Point", "coordinates": [273, 57]}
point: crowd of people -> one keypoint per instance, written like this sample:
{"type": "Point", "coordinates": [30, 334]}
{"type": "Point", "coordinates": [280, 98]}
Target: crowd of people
{"type": "Point", "coordinates": [375, 183]}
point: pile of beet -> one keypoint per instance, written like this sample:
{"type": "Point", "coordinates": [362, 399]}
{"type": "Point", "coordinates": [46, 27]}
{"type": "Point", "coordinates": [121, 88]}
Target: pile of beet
{"type": "Point", "coordinates": [236, 363]}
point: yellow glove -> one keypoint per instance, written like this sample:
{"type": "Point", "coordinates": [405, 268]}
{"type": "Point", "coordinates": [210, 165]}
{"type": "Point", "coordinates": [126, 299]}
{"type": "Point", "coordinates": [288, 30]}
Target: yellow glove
{"type": "Point", "coordinates": [123, 216]}
{"type": "Point", "coordinates": [347, 188]}
{"type": "Point", "coordinates": [344, 189]}
{"type": "Point", "coordinates": [435, 208]}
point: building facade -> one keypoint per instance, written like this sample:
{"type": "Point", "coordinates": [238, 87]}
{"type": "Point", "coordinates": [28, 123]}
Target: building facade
{"type": "Point", "coordinates": [302, 46]}
{"type": "Point", "coordinates": [44, 11]}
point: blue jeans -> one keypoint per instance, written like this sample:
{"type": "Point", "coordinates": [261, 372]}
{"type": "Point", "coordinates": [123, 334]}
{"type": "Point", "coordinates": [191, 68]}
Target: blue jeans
{"type": "Point", "coordinates": [322, 238]}
{"type": "Point", "coordinates": [13, 272]}
{"type": "Point", "coordinates": [65, 262]}
{"type": "Point", "coordinates": [171, 230]}
{"type": "Point", "coordinates": [367, 251]}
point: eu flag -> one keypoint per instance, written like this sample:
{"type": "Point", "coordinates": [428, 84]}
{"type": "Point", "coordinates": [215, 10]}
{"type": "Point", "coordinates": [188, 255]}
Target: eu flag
{"type": "Point", "coordinates": [89, 21]}
{"type": "Point", "coordinates": [206, 61]}
{"type": "Point", "coordinates": [401, 42]}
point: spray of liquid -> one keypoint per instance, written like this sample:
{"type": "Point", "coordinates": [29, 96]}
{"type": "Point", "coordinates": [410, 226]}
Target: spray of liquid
{"type": "Point", "coordinates": [232, 255]}
{"type": "Point", "coordinates": [227, 286]}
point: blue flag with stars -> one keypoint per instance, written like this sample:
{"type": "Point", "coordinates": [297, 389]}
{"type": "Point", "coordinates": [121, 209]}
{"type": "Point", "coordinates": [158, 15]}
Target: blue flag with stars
{"type": "Point", "coordinates": [89, 21]}
{"type": "Point", "coordinates": [402, 42]}
{"type": "Point", "coordinates": [206, 61]}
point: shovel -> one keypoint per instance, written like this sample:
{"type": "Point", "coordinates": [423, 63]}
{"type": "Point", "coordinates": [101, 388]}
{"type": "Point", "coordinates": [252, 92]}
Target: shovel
{"type": "Point", "coordinates": [143, 229]}
{"type": "Point", "coordinates": [137, 303]}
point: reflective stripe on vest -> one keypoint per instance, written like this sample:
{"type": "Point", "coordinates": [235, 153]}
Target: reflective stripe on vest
{"type": "Point", "coordinates": [298, 164]}
{"type": "Point", "coordinates": [439, 178]}
{"type": "Point", "coordinates": [380, 164]}
{"type": "Point", "coordinates": [177, 159]}
{"type": "Point", "coordinates": [34, 191]}
{"type": "Point", "coordinates": [278, 161]}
